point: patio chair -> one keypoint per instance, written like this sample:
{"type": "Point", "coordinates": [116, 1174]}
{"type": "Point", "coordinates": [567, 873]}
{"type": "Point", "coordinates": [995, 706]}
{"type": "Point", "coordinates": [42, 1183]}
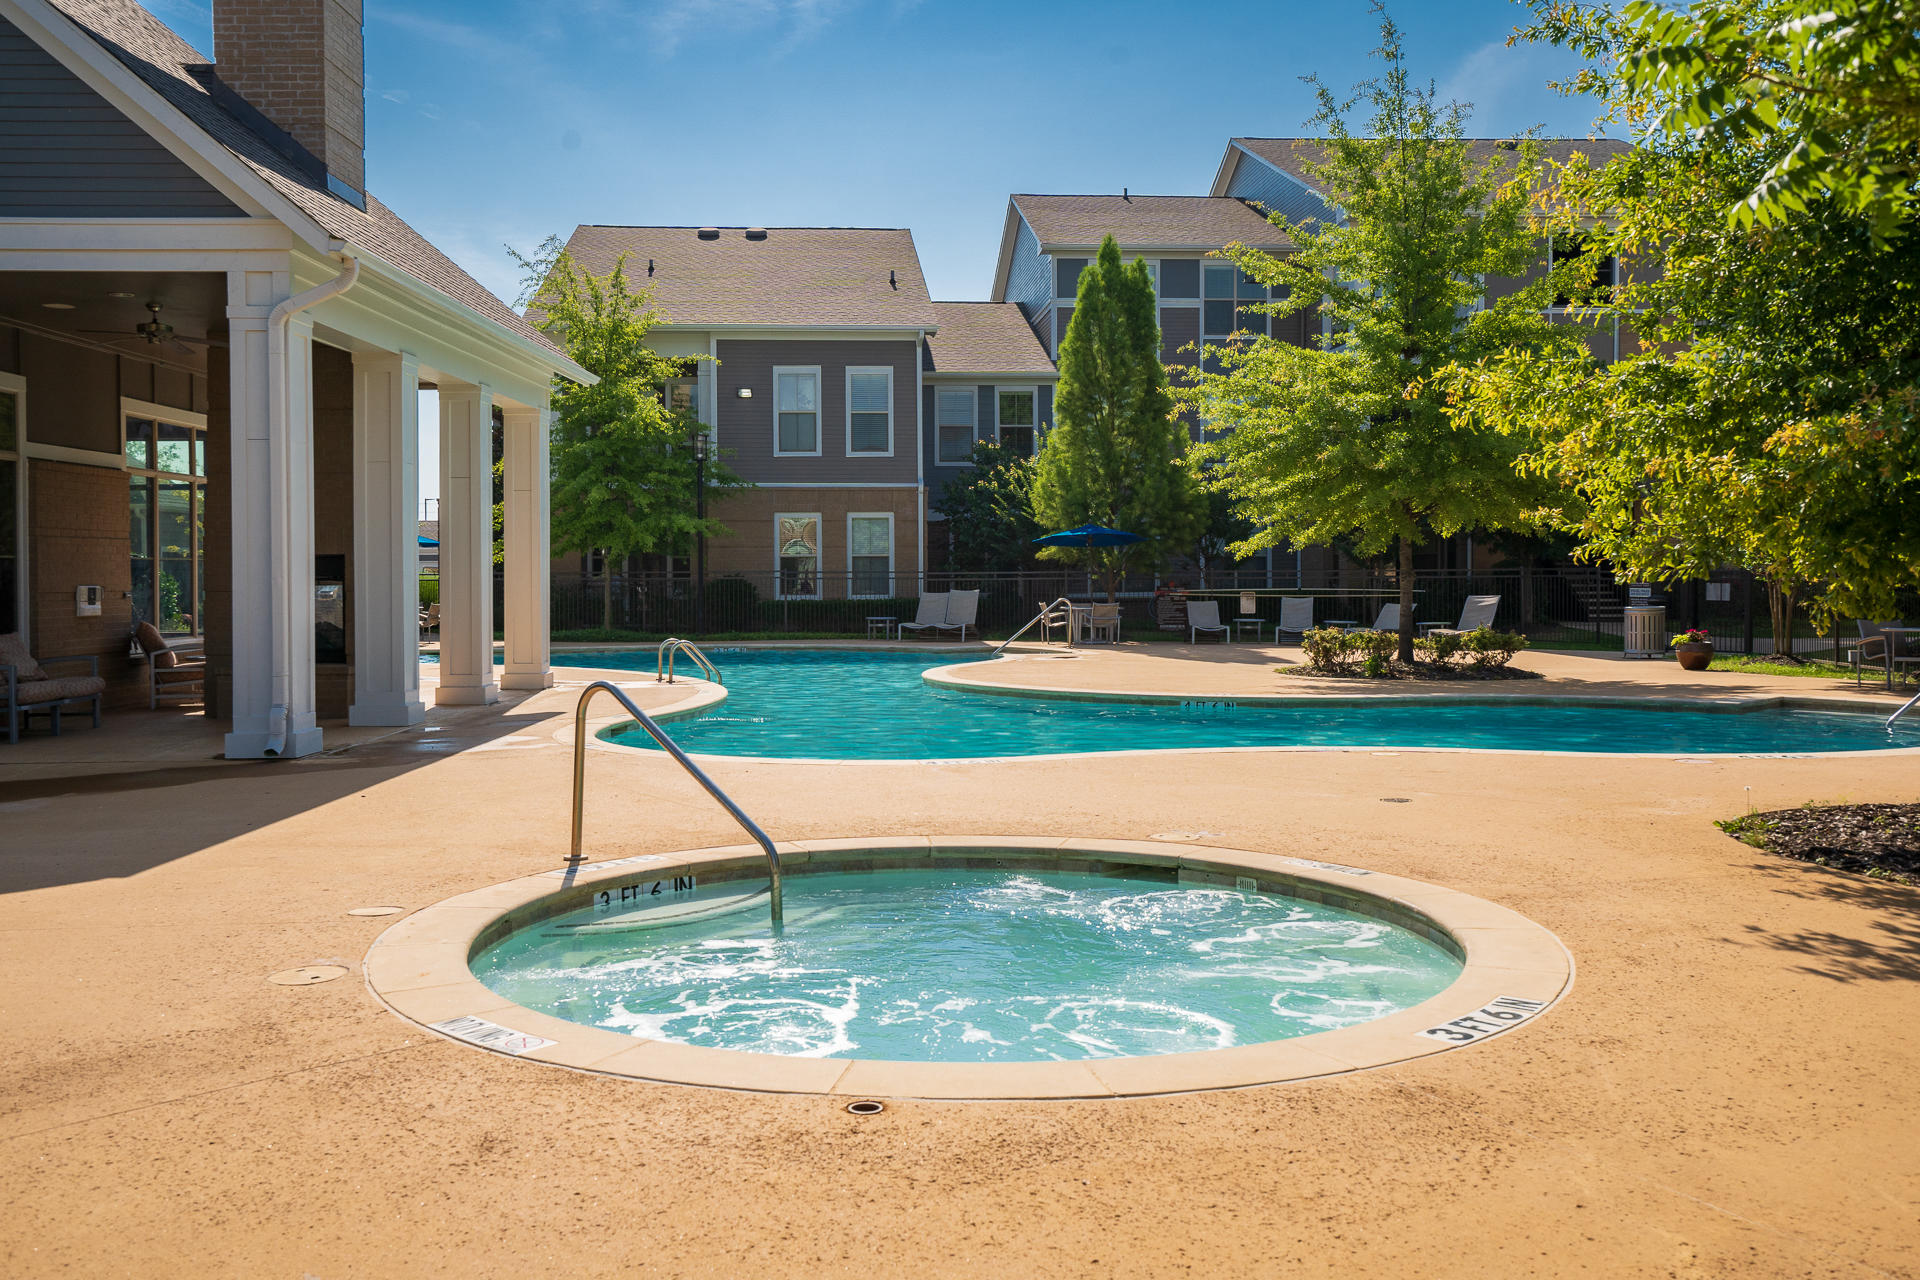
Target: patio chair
{"type": "Point", "coordinates": [1052, 616]}
{"type": "Point", "coordinates": [1204, 615]}
{"type": "Point", "coordinates": [963, 611]}
{"type": "Point", "coordinates": [430, 618]}
{"type": "Point", "coordinates": [1104, 620]}
{"type": "Point", "coordinates": [1475, 614]}
{"type": "Point", "coordinates": [29, 688]}
{"type": "Point", "coordinates": [1296, 617]}
{"type": "Point", "coordinates": [930, 613]}
{"type": "Point", "coordinates": [1871, 644]}
{"type": "Point", "coordinates": [1389, 619]}
{"type": "Point", "coordinates": [175, 672]}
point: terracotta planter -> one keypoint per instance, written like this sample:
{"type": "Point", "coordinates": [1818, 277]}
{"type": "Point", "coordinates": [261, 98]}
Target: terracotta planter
{"type": "Point", "coordinates": [1693, 657]}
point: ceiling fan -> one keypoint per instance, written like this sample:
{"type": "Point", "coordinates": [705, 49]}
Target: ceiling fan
{"type": "Point", "coordinates": [155, 332]}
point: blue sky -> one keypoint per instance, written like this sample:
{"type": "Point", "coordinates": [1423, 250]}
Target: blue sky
{"type": "Point", "coordinates": [496, 122]}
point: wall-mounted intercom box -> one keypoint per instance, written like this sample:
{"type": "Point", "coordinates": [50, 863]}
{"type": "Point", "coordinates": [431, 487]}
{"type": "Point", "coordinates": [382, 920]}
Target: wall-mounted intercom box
{"type": "Point", "coordinates": [86, 602]}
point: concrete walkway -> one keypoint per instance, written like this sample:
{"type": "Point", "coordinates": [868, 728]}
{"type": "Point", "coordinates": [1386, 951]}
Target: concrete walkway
{"type": "Point", "coordinates": [1727, 1090]}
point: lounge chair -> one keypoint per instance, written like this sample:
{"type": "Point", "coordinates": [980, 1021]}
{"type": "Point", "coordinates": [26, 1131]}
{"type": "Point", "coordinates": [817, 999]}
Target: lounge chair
{"type": "Point", "coordinates": [29, 688]}
{"type": "Point", "coordinates": [1389, 619]}
{"type": "Point", "coordinates": [963, 611]}
{"type": "Point", "coordinates": [1296, 617]}
{"type": "Point", "coordinates": [1204, 615]}
{"type": "Point", "coordinates": [929, 616]}
{"type": "Point", "coordinates": [175, 672]}
{"type": "Point", "coordinates": [1475, 614]}
{"type": "Point", "coordinates": [1104, 620]}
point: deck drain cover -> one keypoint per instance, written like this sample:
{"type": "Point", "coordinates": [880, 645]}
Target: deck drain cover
{"type": "Point", "coordinates": [307, 975]}
{"type": "Point", "coordinates": [866, 1108]}
{"type": "Point", "coordinates": [1395, 800]}
{"type": "Point", "coordinates": [376, 911]}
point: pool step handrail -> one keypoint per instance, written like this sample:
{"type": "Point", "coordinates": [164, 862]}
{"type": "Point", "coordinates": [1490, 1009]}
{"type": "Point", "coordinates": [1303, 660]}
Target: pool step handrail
{"type": "Point", "coordinates": [663, 661]}
{"type": "Point", "coordinates": [668, 745]}
{"type": "Point", "coordinates": [1902, 711]}
{"type": "Point", "coordinates": [1046, 614]}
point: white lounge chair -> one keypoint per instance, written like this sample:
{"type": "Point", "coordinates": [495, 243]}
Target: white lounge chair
{"type": "Point", "coordinates": [1476, 613]}
{"type": "Point", "coordinates": [1204, 615]}
{"type": "Point", "coordinates": [929, 616]}
{"type": "Point", "coordinates": [963, 611]}
{"type": "Point", "coordinates": [1389, 619]}
{"type": "Point", "coordinates": [1296, 617]}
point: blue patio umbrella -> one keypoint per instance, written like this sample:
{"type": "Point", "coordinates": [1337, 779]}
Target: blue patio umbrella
{"type": "Point", "coordinates": [425, 541]}
{"type": "Point", "coordinates": [1088, 535]}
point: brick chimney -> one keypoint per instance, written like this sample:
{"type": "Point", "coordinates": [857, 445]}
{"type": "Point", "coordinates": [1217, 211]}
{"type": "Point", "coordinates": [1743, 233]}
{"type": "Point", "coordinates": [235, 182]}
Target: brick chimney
{"type": "Point", "coordinates": [300, 63]}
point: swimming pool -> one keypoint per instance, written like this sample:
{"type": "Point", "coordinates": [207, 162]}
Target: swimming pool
{"type": "Point", "coordinates": [873, 705]}
{"type": "Point", "coordinates": [960, 964]}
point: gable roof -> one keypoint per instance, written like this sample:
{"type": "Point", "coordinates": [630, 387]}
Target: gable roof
{"type": "Point", "coordinates": [984, 337]}
{"type": "Point", "coordinates": [798, 277]}
{"type": "Point", "coordinates": [1292, 155]}
{"type": "Point", "coordinates": [1146, 222]}
{"type": "Point", "coordinates": [180, 74]}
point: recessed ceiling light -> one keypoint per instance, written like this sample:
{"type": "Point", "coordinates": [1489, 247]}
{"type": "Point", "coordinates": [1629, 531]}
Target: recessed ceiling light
{"type": "Point", "coordinates": [120, 295]}
{"type": "Point", "coordinates": [58, 306]}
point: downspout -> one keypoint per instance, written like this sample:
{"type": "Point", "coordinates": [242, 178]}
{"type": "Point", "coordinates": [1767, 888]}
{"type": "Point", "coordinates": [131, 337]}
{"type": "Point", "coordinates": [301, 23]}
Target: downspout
{"type": "Point", "coordinates": [279, 425]}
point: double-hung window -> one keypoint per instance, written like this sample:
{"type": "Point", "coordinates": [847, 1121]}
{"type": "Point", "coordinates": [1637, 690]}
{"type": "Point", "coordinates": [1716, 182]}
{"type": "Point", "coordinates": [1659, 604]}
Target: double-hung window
{"type": "Point", "coordinates": [953, 414]}
{"type": "Point", "coordinates": [1226, 292]}
{"type": "Point", "coordinates": [1569, 248]}
{"type": "Point", "coordinates": [797, 555]}
{"type": "Point", "coordinates": [796, 410]}
{"type": "Point", "coordinates": [870, 412]}
{"type": "Point", "coordinates": [1017, 421]}
{"type": "Point", "coordinates": [166, 486]}
{"type": "Point", "coordinates": [870, 553]}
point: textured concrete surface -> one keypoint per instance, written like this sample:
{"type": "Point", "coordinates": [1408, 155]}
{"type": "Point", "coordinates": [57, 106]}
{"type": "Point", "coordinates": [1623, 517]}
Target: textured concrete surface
{"type": "Point", "coordinates": [1727, 1090]}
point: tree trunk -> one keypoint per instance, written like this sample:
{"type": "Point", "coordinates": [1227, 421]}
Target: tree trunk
{"type": "Point", "coordinates": [1781, 598]}
{"type": "Point", "coordinates": [1406, 600]}
{"type": "Point", "coordinates": [606, 591]}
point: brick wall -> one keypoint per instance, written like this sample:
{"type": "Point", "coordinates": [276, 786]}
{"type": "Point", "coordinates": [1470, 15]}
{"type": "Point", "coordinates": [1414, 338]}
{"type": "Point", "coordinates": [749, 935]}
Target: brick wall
{"type": "Point", "coordinates": [301, 64]}
{"type": "Point", "coordinates": [77, 520]}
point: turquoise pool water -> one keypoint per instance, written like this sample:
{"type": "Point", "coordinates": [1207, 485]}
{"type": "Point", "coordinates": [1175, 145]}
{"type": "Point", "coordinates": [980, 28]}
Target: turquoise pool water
{"type": "Point", "coordinates": [974, 966]}
{"type": "Point", "coordinates": [873, 705]}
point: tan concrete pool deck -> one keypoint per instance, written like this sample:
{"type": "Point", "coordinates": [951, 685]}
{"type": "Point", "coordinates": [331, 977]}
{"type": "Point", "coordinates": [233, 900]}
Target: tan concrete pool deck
{"type": "Point", "coordinates": [1727, 1090]}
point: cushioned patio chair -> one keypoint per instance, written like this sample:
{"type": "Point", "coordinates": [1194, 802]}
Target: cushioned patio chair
{"type": "Point", "coordinates": [1204, 615]}
{"type": "Point", "coordinates": [930, 614]}
{"type": "Point", "coordinates": [175, 672]}
{"type": "Point", "coordinates": [1475, 614]}
{"type": "Point", "coordinates": [963, 611]}
{"type": "Point", "coordinates": [1296, 617]}
{"type": "Point", "coordinates": [29, 690]}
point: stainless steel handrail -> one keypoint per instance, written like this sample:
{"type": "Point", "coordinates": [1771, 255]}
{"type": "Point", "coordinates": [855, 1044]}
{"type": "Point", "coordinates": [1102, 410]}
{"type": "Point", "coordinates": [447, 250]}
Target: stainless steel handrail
{"type": "Point", "coordinates": [1046, 611]}
{"type": "Point", "coordinates": [1902, 711]}
{"type": "Point", "coordinates": [674, 645]}
{"type": "Point", "coordinates": [667, 744]}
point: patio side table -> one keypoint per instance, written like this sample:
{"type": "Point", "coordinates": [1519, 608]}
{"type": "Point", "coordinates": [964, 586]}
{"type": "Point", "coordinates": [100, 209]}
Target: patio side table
{"type": "Point", "coordinates": [880, 626]}
{"type": "Point", "coordinates": [1240, 626]}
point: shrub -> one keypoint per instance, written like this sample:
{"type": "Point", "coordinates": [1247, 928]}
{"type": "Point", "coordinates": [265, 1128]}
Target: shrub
{"type": "Point", "coordinates": [1370, 653]}
{"type": "Point", "coordinates": [1482, 650]}
{"type": "Point", "coordinates": [429, 591]}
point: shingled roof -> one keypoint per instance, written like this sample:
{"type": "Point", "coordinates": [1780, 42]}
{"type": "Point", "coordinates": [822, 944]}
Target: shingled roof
{"type": "Point", "coordinates": [1146, 222]}
{"type": "Point", "coordinates": [984, 337]}
{"type": "Point", "coordinates": [1292, 155]}
{"type": "Point", "coordinates": [806, 277]}
{"type": "Point", "coordinates": [152, 51]}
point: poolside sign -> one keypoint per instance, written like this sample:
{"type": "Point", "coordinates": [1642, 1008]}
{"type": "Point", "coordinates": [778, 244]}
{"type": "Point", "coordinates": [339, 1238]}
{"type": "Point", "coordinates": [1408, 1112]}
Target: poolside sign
{"type": "Point", "coordinates": [491, 1035]}
{"type": "Point", "coordinates": [1490, 1019]}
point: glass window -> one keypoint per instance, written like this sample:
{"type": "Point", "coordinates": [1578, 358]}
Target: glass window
{"type": "Point", "coordinates": [797, 406]}
{"type": "Point", "coordinates": [1017, 421]}
{"type": "Point", "coordinates": [166, 523]}
{"type": "Point", "coordinates": [1224, 312]}
{"type": "Point", "coordinates": [679, 397]}
{"type": "Point", "coordinates": [9, 512]}
{"type": "Point", "coordinates": [1067, 274]}
{"type": "Point", "coordinates": [869, 411]}
{"type": "Point", "coordinates": [799, 551]}
{"type": "Point", "coordinates": [870, 555]}
{"type": "Point", "coordinates": [953, 413]}
{"type": "Point", "coordinates": [1569, 248]}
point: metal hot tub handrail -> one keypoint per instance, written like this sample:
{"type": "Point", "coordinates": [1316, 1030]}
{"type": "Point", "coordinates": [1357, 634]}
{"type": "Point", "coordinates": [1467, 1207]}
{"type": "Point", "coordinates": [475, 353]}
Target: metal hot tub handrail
{"type": "Point", "coordinates": [667, 744]}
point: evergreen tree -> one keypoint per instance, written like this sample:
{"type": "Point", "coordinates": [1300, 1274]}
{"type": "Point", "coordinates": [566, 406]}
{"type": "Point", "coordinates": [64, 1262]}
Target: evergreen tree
{"type": "Point", "coordinates": [1116, 453]}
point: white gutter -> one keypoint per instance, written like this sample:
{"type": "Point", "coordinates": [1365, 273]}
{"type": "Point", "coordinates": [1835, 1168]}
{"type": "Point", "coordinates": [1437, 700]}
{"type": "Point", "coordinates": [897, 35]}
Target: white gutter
{"type": "Point", "coordinates": [283, 463]}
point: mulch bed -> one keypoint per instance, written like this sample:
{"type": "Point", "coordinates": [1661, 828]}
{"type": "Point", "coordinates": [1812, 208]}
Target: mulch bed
{"type": "Point", "coordinates": [1880, 840]}
{"type": "Point", "coordinates": [1417, 671]}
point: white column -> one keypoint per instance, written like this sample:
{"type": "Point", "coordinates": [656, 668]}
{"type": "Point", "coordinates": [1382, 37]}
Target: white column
{"type": "Point", "coordinates": [526, 535]}
{"type": "Point", "coordinates": [466, 545]}
{"type": "Point", "coordinates": [273, 680]}
{"type": "Point", "coordinates": [386, 540]}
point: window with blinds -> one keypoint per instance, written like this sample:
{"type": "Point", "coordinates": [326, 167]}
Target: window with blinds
{"type": "Point", "coordinates": [869, 410]}
{"type": "Point", "coordinates": [953, 414]}
{"type": "Point", "coordinates": [796, 399]}
{"type": "Point", "coordinates": [870, 554]}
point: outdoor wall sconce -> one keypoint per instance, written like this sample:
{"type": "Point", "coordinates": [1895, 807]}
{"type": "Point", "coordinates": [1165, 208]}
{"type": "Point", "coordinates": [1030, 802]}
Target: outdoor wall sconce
{"type": "Point", "coordinates": [745, 393]}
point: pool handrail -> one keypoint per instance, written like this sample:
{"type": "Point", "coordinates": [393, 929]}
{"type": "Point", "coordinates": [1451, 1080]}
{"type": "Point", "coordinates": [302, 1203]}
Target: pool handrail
{"type": "Point", "coordinates": [668, 745]}
{"type": "Point", "coordinates": [663, 660]}
{"type": "Point", "coordinates": [1902, 711]}
{"type": "Point", "coordinates": [1046, 611]}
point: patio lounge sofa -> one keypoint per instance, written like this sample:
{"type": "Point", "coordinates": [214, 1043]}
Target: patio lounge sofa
{"type": "Point", "coordinates": [29, 690]}
{"type": "Point", "coordinates": [1475, 614]}
{"type": "Point", "coordinates": [1204, 615]}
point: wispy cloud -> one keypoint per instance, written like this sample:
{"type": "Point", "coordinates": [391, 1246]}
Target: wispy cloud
{"type": "Point", "coordinates": [476, 41]}
{"type": "Point", "coordinates": [1507, 89]}
{"type": "Point", "coordinates": [669, 24]}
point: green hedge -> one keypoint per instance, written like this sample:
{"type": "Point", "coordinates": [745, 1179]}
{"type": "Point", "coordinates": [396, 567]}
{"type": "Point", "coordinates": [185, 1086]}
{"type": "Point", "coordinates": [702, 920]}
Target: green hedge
{"type": "Point", "coordinates": [1371, 653]}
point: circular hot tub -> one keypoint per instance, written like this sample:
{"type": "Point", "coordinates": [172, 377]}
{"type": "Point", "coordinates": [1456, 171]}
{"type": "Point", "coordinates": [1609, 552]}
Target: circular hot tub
{"type": "Point", "coordinates": [979, 967]}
